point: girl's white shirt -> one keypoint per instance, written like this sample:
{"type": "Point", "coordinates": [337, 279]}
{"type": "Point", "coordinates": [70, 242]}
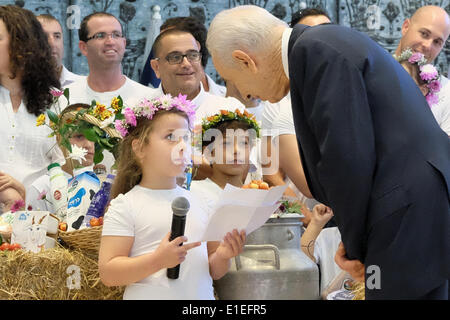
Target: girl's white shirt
{"type": "Point", "coordinates": [146, 215]}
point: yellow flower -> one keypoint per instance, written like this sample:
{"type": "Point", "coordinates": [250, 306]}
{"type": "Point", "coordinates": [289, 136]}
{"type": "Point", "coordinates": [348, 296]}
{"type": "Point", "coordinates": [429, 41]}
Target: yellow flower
{"type": "Point", "coordinates": [40, 120]}
{"type": "Point", "coordinates": [105, 114]}
{"type": "Point", "coordinates": [115, 104]}
{"type": "Point", "coordinates": [99, 109]}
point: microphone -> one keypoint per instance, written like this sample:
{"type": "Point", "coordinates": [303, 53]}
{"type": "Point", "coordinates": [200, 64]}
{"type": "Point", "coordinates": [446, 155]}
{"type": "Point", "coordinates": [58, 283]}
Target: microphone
{"type": "Point", "coordinates": [180, 207]}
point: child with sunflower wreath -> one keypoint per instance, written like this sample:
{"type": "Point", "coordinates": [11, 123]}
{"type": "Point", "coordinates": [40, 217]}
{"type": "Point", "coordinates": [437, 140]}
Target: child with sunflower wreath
{"type": "Point", "coordinates": [83, 131]}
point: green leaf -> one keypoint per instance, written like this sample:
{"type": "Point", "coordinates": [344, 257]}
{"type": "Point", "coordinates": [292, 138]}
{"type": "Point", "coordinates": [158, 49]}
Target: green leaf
{"type": "Point", "coordinates": [53, 116]}
{"type": "Point", "coordinates": [99, 131]}
{"type": "Point", "coordinates": [90, 134]}
{"type": "Point", "coordinates": [98, 156]}
{"type": "Point", "coordinates": [67, 94]}
{"type": "Point", "coordinates": [66, 144]}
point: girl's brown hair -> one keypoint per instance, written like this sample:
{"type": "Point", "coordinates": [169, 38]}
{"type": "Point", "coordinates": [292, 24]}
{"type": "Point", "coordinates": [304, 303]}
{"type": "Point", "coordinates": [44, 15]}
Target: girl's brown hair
{"type": "Point", "coordinates": [129, 170]}
{"type": "Point", "coordinates": [30, 57]}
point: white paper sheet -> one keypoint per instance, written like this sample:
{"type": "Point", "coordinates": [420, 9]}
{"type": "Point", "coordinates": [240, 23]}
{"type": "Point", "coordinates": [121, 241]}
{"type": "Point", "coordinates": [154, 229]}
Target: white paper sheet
{"type": "Point", "coordinates": [241, 209]}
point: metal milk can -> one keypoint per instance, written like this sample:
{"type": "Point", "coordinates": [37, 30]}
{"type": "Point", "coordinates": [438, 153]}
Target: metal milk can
{"type": "Point", "coordinates": [272, 265]}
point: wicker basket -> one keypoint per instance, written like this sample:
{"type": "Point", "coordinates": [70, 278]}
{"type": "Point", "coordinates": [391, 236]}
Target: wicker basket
{"type": "Point", "coordinates": [87, 239]}
{"type": "Point", "coordinates": [93, 120]}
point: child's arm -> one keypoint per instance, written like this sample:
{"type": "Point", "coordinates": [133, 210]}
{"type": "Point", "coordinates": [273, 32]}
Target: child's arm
{"type": "Point", "coordinates": [116, 268]}
{"type": "Point", "coordinates": [220, 253]}
{"type": "Point", "coordinates": [321, 214]}
{"type": "Point", "coordinates": [6, 181]}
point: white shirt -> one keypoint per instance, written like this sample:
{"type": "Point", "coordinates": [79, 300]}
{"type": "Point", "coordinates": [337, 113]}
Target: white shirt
{"type": "Point", "coordinates": [43, 184]}
{"type": "Point", "coordinates": [131, 93]}
{"type": "Point", "coordinates": [441, 110]}
{"type": "Point", "coordinates": [277, 118]}
{"type": "Point", "coordinates": [26, 150]}
{"type": "Point", "coordinates": [146, 215]}
{"type": "Point", "coordinates": [207, 191]}
{"type": "Point", "coordinates": [68, 77]}
{"type": "Point", "coordinates": [208, 104]}
{"type": "Point", "coordinates": [215, 88]}
{"type": "Point", "coordinates": [325, 248]}
{"type": "Point", "coordinates": [284, 50]}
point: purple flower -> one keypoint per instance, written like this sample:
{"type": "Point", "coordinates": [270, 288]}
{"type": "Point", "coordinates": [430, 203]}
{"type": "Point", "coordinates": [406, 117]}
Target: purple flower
{"type": "Point", "coordinates": [432, 99]}
{"type": "Point", "coordinates": [434, 86]}
{"type": "Point", "coordinates": [415, 57]}
{"type": "Point", "coordinates": [118, 124]}
{"type": "Point", "coordinates": [56, 93]}
{"type": "Point", "coordinates": [19, 204]}
{"type": "Point", "coordinates": [130, 117]}
{"type": "Point", "coordinates": [428, 72]}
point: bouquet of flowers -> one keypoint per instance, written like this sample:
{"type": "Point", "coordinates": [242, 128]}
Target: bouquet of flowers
{"type": "Point", "coordinates": [95, 122]}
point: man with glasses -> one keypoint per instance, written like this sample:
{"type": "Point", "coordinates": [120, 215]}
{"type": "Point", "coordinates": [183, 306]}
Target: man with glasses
{"type": "Point", "coordinates": [53, 29]}
{"type": "Point", "coordinates": [103, 44]}
{"type": "Point", "coordinates": [177, 63]}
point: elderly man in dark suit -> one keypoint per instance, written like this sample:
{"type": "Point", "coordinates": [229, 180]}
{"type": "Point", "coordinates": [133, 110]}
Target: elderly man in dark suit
{"type": "Point", "coordinates": [370, 147]}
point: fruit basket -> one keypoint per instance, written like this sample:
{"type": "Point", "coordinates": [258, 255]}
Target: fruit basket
{"type": "Point", "coordinates": [87, 239]}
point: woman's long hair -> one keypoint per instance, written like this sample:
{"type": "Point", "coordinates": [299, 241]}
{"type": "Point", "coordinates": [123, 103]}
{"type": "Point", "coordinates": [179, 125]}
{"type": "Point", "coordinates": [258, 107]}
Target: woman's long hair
{"type": "Point", "coordinates": [129, 170]}
{"type": "Point", "coordinates": [30, 58]}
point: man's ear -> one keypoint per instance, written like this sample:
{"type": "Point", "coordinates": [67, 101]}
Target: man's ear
{"type": "Point", "coordinates": [244, 60]}
{"type": "Point", "coordinates": [155, 66]}
{"type": "Point", "coordinates": [405, 26]}
{"type": "Point", "coordinates": [83, 47]}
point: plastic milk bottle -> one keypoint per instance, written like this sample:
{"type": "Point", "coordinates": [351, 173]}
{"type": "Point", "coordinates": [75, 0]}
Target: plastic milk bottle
{"type": "Point", "coordinates": [100, 200]}
{"type": "Point", "coordinates": [58, 189]}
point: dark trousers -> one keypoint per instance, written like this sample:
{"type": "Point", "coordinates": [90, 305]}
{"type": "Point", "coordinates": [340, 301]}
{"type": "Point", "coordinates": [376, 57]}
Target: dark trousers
{"type": "Point", "coordinates": [439, 293]}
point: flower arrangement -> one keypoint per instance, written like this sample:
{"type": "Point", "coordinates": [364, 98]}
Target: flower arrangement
{"type": "Point", "coordinates": [287, 206]}
{"type": "Point", "coordinates": [225, 115]}
{"type": "Point", "coordinates": [427, 73]}
{"type": "Point", "coordinates": [94, 122]}
{"type": "Point", "coordinates": [148, 108]}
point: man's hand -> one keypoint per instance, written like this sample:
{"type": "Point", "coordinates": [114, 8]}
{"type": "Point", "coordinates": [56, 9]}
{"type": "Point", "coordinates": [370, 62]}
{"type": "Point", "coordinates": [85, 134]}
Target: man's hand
{"type": "Point", "coordinates": [354, 267]}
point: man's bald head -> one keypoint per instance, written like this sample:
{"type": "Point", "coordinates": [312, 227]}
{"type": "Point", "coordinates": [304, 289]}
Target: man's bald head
{"type": "Point", "coordinates": [426, 32]}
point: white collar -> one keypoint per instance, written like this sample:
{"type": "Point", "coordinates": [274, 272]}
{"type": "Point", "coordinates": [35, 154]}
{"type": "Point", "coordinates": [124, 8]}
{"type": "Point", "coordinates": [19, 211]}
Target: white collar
{"type": "Point", "coordinates": [284, 50]}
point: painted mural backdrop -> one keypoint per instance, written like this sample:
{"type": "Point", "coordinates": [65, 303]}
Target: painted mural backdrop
{"type": "Point", "coordinates": [380, 19]}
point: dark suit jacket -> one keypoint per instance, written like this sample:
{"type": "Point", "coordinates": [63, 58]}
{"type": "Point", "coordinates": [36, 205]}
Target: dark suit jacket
{"type": "Point", "coordinates": [372, 151]}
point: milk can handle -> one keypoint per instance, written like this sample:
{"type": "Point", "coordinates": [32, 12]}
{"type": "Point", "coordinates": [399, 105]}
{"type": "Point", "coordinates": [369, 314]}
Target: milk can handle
{"type": "Point", "coordinates": [276, 252]}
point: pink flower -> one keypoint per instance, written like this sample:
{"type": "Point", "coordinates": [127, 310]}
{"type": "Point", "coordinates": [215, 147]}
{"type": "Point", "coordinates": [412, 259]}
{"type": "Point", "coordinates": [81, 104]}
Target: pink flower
{"type": "Point", "coordinates": [434, 86]}
{"type": "Point", "coordinates": [56, 93]}
{"type": "Point", "coordinates": [118, 124]}
{"type": "Point", "coordinates": [130, 117]}
{"type": "Point", "coordinates": [415, 57]}
{"type": "Point", "coordinates": [19, 204]}
{"type": "Point", "coordinates": [42, 195]}
{"type": "Point", "coordinates": [432, 99]}
{"type": "Point", "coordinates": [428, 72]}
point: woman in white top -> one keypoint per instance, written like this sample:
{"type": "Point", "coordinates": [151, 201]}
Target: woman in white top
{"type": "Point", "coordinates": [135, 248]}
{"type": "Point", "coordinates": [27, 74]}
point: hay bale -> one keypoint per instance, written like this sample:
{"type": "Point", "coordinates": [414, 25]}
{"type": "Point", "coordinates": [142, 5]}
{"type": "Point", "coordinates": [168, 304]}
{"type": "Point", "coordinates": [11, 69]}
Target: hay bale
{"type": "Point", "coordinates": [44, 276]}
{"type": "Point", "coordinates": [359, 291]}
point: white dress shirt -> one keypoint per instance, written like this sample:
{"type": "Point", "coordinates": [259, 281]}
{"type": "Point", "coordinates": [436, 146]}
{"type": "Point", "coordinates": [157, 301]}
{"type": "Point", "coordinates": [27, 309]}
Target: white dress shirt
{"type": "Point", "coordinates": [441, 110]}
{"type": "Point", "coordinates": [68, 77]}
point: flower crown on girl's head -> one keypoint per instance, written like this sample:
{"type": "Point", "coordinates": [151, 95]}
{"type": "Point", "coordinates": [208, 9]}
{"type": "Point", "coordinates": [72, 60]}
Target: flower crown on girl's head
{"type": "Point", "coordinates": [148, 108]}
{"type": "Point", "coordinates": [225, 115]}
{"type": "Point", "coordinates": [427, 72]}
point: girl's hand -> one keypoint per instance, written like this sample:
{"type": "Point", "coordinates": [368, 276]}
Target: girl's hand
{"type": "Point", "coordinates": [232, 245]}
{"type": "Point", "coordinates": [354, 267]}
{"type": "Point", "coordinates": [321, 214]}
{"type": "Point", "coordinates": [171, 253]}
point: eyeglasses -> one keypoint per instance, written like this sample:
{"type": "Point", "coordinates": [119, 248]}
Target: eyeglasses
{"type": "Point", "coordinates": [177, 57]}
{"type": "Point", "coordinates": [104, 35]}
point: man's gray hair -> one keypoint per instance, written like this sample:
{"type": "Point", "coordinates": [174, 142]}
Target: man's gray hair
{"type": "Point", "coordinates": [248, 28]}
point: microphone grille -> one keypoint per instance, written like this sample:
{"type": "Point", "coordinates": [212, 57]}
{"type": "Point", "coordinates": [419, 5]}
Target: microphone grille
{"type": "Point", "coordinates": [180, 206]}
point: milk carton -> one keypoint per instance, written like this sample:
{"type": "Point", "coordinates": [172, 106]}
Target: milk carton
{"type": "Point", "coordinates": [82, 189]}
